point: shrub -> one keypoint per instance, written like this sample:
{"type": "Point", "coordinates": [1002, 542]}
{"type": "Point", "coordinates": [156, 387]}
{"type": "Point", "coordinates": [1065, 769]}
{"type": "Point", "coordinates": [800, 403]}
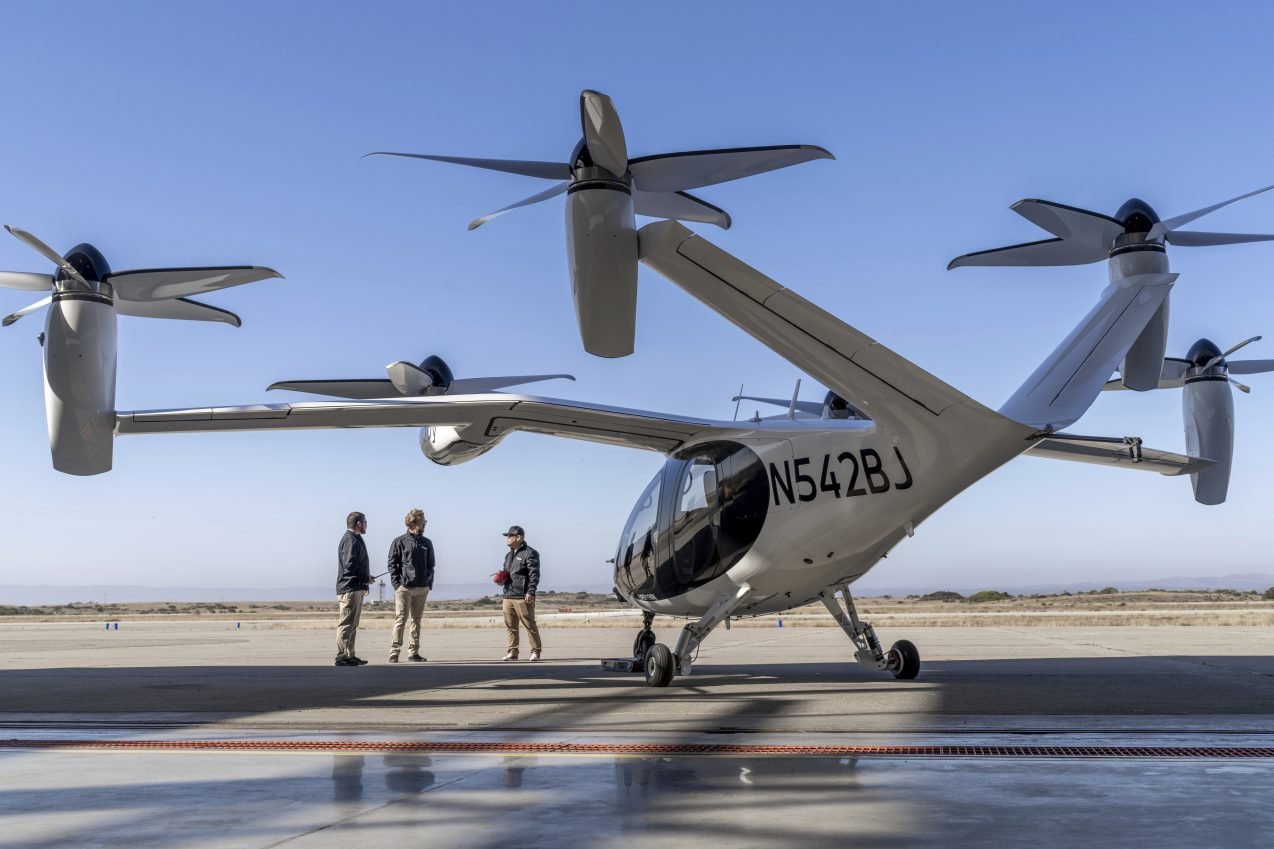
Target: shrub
{"type": "Point", "coordinates": [1269, 594]}
{"type": "Point", "coordinates": [988, 595]}
{"type": "Point", "coordinates": [942, 595]}
{"type": "Point", "coordinates": [1107, 591]}
{"type": "Point", "coordinates": [485, 600]}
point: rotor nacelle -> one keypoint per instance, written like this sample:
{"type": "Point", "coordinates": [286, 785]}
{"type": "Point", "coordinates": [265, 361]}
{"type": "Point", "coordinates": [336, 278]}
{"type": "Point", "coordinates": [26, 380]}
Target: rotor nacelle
{"type": "Point", "coordinates": [451, 446]}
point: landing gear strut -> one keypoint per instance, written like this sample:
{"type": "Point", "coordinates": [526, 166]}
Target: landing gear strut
{"type": "Point", "coordinates": [662, 664]}
{"type": "Point", "coordinates": [902, 660]}
{"type": "Point", "coordinates": [645, 638]}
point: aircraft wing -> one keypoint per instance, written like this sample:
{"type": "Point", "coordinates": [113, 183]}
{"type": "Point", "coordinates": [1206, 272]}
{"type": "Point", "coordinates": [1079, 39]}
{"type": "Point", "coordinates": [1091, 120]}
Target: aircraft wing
{"type": "Point", "coordinates": [886, 386]}
{"type": "Point", "coordinates": [1115, 451]}
{"type": "Point", "coordinates": [494, 415]}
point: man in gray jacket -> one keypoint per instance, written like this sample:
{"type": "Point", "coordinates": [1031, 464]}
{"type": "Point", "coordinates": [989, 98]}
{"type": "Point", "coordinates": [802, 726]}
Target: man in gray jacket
{"type": "Point", "coordinates": [523, 565]}
{"type": "Point", "coordinates": [411, 568]}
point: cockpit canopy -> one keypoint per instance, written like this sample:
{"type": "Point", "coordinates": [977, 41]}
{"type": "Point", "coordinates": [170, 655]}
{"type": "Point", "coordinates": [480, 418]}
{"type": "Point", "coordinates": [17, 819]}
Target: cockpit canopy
{"type": "Point", "coordinates": [696, 519]}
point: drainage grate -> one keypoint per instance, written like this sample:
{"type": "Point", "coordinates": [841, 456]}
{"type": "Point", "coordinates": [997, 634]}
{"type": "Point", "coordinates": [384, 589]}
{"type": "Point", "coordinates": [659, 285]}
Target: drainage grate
{"type": "Point", "coordinates": [939, 751]}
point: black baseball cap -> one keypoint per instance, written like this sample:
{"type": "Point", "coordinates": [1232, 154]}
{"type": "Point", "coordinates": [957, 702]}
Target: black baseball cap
{"type": "Point", "coordinates": [515, 531]}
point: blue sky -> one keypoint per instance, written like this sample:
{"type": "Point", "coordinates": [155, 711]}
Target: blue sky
{"type": "Point", "coordinates": [169, 134]}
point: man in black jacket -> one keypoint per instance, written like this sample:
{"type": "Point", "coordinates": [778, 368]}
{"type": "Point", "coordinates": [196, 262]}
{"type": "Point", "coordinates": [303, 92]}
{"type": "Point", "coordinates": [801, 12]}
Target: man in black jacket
{"type": "Point", "coordinates": [353, 577]}
{"type": "Point", "coordinates": [411, 568]}
{"type": "Point", "coordinates": [523, 565]}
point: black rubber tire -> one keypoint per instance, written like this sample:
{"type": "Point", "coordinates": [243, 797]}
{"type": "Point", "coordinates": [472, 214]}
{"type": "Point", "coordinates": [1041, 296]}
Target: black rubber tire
{"type": "Point", "coordinates": [659, 667]}
{"type": "Point", "coordinates": [908, 660]}
{"type": "Point", "coordinates": [642, 644]}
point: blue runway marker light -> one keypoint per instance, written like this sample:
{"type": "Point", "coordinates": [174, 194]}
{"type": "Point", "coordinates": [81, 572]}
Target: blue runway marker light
{"type": "Point", "coordinates": [236, 626]}
{"type": "Point", "coordinates": [780, 622]}
{"type": "Point", "coordinates": [116, 626]}
{"type": "Point", "coordinates": [108, 626]}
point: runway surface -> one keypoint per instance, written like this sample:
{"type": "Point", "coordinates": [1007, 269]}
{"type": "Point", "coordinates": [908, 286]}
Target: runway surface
{"type": "Point", "coordinates": [198, 734]}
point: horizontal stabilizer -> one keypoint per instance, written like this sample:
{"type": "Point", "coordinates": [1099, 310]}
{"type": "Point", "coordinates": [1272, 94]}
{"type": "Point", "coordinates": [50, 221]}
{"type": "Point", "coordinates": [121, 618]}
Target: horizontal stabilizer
{"type": "Point", "coordinates": [1126, 452]}
{"type": "Point", "coordinates": [178, 308]}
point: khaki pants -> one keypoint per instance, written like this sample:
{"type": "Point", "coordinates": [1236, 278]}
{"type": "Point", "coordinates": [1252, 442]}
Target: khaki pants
{"type": "Point", "coordinates": [408, 601]}
{"type": "Point", "coordinates": [347, 627]}
{"type": "Point", "coordinates": [517, 611]}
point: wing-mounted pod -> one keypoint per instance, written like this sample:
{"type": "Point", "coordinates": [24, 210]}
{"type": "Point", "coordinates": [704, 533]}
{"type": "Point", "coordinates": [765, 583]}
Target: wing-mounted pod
{"type": "Point", "coordinates": [80, 336]}
{"type": "Point", "coordinates": [451, 446]}
{"type": "Point", "coordinates": [445, 445]}
{"type": "Point", "coordinates": [1207, 409]}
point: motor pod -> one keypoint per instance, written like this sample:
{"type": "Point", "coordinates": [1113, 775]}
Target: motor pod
{"type": "Point", "coordinates": [1207, 406]}
{"type": "Point", "coordinates": [1142, 364]}
{"type": "Point", "coordinates": [601, 236]}
{"type": "Point", "coordinates": [79, 381]}
{"type": "Point", "coordinates": [451, 446]}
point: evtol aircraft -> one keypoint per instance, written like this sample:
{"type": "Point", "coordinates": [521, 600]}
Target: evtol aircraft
{"type": "Point", "coordinates": [745, 517]}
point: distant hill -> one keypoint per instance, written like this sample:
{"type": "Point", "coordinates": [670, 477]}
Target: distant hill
{"type": "Point", "coordinates": [51, 594]}
{"type": "Point", "coordinates": [105, 593]}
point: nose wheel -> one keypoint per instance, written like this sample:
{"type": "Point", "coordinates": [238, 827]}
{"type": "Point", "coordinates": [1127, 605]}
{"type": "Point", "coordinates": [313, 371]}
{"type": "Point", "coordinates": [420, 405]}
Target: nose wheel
{"type": "Point", "coordinates": [659, 666]}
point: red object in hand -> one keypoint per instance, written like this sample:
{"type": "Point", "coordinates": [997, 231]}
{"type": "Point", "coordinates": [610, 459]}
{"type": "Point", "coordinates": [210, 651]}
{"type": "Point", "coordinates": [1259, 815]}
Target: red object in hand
{"type": "Point", "coordinates": [500, 577]}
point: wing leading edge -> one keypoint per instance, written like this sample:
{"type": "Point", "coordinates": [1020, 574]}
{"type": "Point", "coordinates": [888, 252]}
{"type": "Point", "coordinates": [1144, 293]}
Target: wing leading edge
{"type": "Point", "coordinates": [493, 415]}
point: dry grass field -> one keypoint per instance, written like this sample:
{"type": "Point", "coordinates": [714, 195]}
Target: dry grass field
{"type": "Point", "coordinates": [1105, 608]}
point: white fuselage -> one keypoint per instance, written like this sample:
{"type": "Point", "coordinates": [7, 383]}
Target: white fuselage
{"type": "Point", "coordinates": [841, 495]}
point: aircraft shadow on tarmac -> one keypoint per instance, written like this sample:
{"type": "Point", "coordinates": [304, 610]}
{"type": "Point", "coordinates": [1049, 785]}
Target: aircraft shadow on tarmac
{"type": "Point", "coordinates": [575, 695]}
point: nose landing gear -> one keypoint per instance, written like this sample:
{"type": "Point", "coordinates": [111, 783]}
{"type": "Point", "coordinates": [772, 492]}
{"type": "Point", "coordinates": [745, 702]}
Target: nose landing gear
{"type": "Point", "coordinates": [902, 660]}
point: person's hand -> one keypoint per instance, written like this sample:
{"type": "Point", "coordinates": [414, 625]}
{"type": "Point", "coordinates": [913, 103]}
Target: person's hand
{"type": "Point", "coordinates": [529, 599]}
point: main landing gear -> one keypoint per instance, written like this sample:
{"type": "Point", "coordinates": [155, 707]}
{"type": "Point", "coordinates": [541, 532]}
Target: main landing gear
{"type": "Point", "coordinates": [902, 660]}
{"type": "Point", "coordinates": [661, 664]}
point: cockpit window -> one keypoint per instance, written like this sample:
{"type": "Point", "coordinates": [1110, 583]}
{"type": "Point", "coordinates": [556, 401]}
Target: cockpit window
{"type": "Point", "coordinates": [637, 549]}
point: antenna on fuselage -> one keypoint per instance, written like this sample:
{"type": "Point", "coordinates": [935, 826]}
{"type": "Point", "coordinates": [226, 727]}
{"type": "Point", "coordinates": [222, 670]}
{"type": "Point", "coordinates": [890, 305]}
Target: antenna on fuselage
{"type": "Point", "coordinates": [791, 410]}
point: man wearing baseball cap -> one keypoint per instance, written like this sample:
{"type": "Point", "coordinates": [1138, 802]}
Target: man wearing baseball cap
{"type": "Point", "coordinates": [522, 564]}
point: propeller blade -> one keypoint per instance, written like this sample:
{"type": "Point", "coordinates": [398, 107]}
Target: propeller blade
{"type": "Point", "coordinates": [1046, 252]}
{"type": "Point", "coordinates": [158, 284]}
{"type": "Point", "coordinates": [1244, 388]}
{"type": "Point", "coordinates": [358, 390]}
{"type": "Point", "coordinates": [1171, 224]}
{"type": "Point", "coordinates": [26, 281]}
{"type": "Point", "coordinates": [603, 132]}
{"type": "Point", "coordinates": [679, 206]}
{"type": "Point", "coordinates": [11, 318]}
{"type": "Point", "coordinates": [182, 309]}
{"type": "Point", "coordinates": [1251, 366]}
{"type": "Point", "coordinates": [479, 385]}
{"type": "Point", "coordinates": [1069, 222]}
{"type": "Point", "coordinates": [527, 168]}
{"type": "Point", "coordinates": [544, 195]}
{"type": "Point", "coordinates": [675, 172]}
{"type": "Point", "coordinates": [1195, 239]}
{"type": "Point", "coordinates": [48, 253]}
{"type": "Point", "coordinates": [1219, 357]}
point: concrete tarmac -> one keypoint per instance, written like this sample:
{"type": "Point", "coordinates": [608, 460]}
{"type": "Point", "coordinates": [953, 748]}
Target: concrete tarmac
{"type": "Point", "coordinates": [1187, 687]}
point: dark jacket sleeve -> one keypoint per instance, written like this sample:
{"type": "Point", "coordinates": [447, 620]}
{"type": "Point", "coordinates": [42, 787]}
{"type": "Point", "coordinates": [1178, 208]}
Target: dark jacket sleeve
{"type": "Point", "coordinates": [532, 572]}
{"type": "Point", "coordinates": [396, 563]}
{"type": "Point", "coordinates": [346, 565]}
{"type": "Point", "coordinates": [431, 565]}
